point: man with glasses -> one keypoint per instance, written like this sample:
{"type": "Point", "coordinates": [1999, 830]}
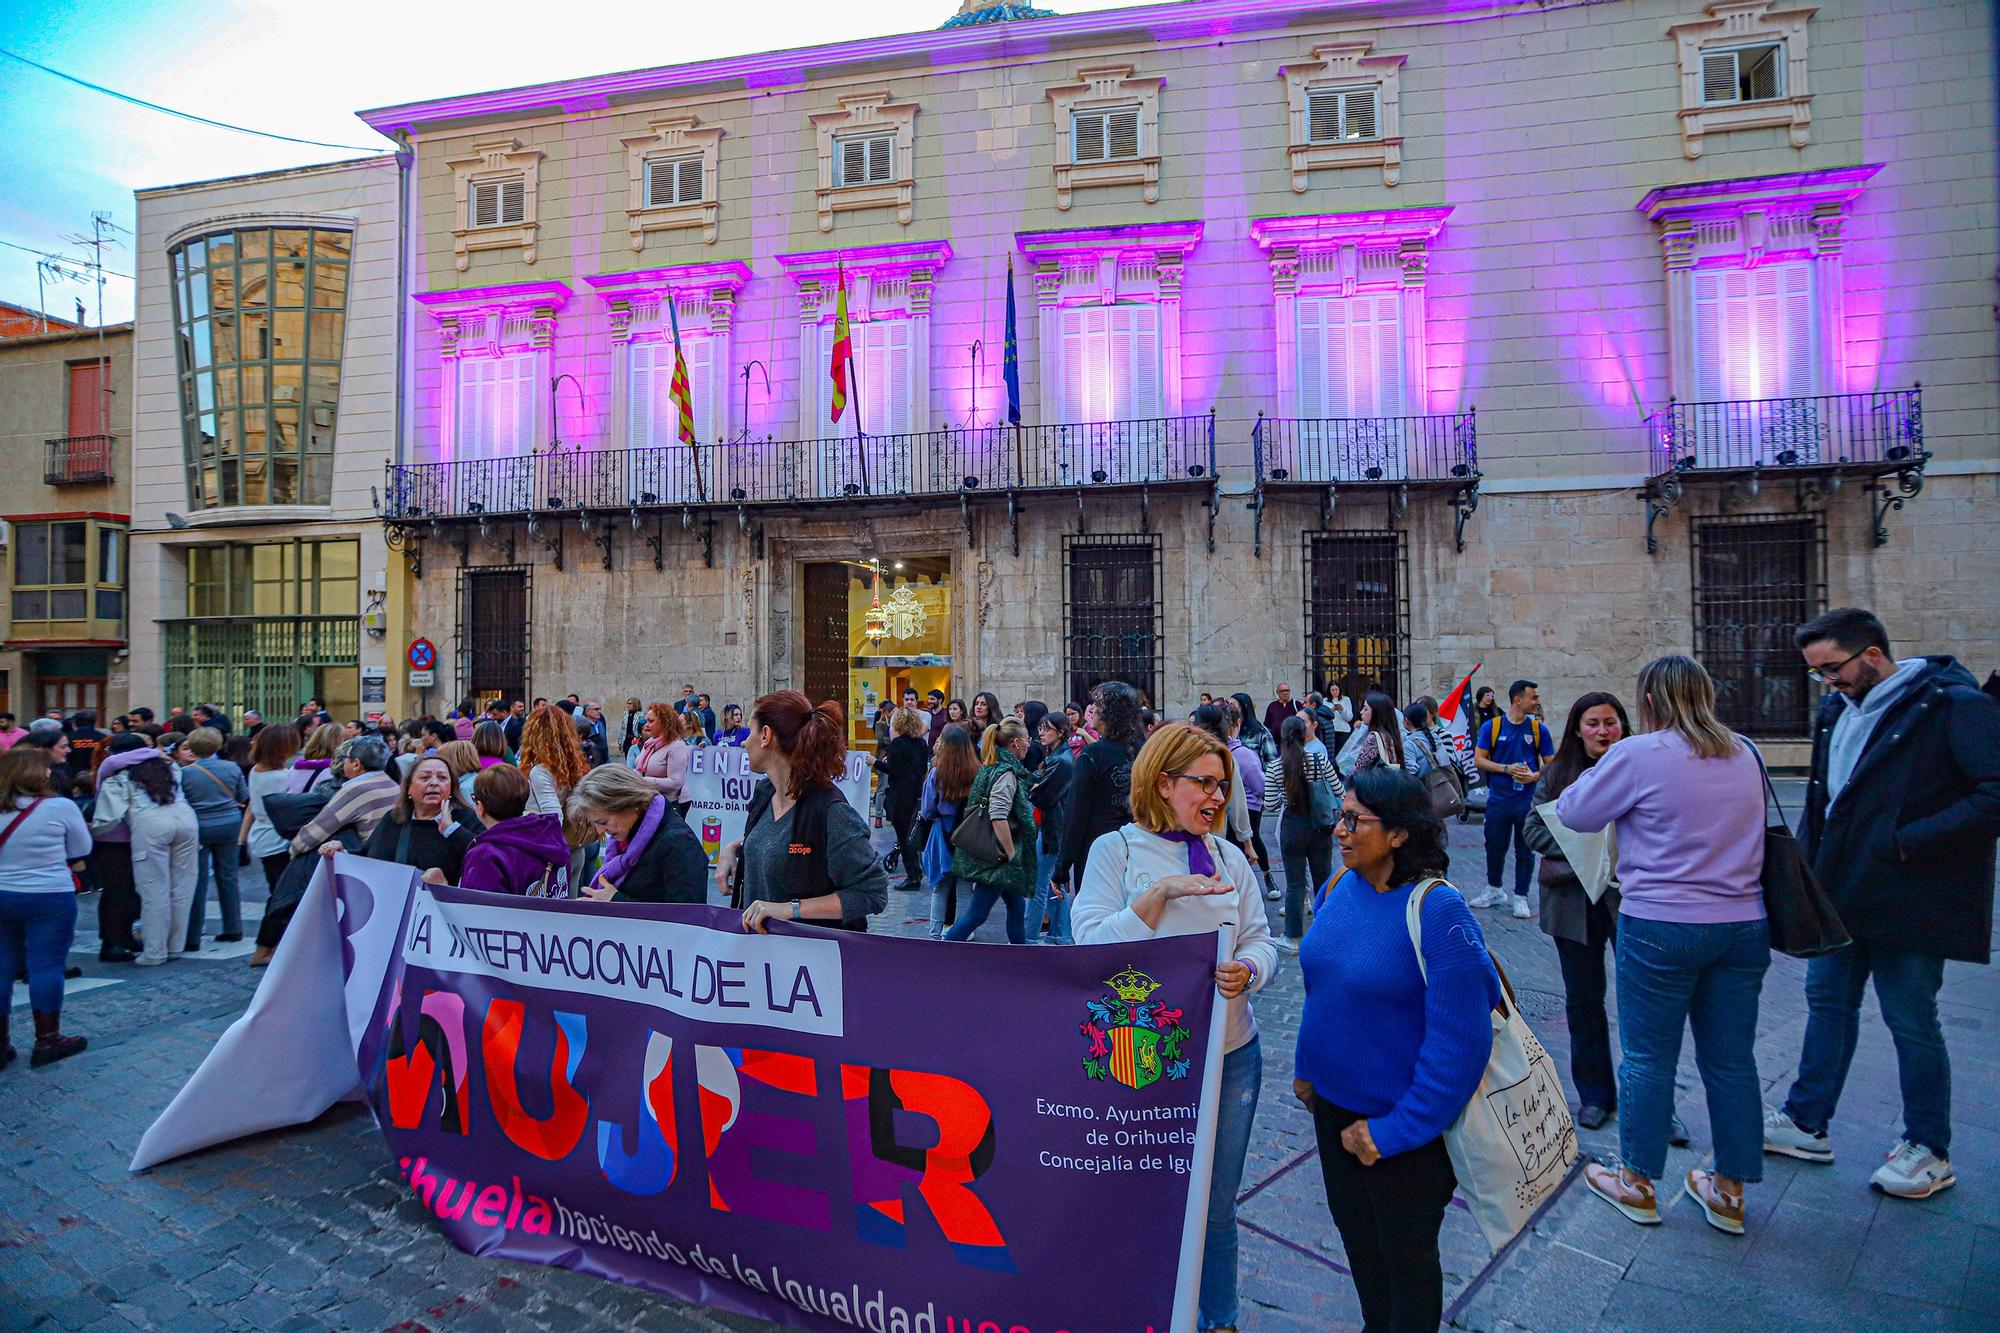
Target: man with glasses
{"type": "Point", "coordinates": [1901, 817]}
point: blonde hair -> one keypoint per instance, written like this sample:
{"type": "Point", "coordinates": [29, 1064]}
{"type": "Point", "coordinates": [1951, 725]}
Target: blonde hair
{"type": "Point", "coordinates": [203, 742]}
{"type": "Point", "coordinates": [905, 722]}
{"type": "Point", "coordinates": [325, 739]}
{"type": "Point", "coordinates": [1169, 752]}
{"type": "Point", "coordinates": [610, 789]}
{"type": "Point", "coordinates": [998, 737]}
{"type": "Point", "coordinates": [1677, 695]}
{"type": "Point", "coordinates": [460, 758]}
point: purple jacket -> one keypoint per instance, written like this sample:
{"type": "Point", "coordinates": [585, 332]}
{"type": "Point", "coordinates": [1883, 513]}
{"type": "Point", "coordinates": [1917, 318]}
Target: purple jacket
{"type": "Point", "coordinates": [514, 854]}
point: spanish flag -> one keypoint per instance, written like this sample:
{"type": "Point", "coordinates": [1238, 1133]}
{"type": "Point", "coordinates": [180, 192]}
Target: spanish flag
{"type": "Point", "coordinates": [843, 347]}
{"type": "Point", "coordinates": [678, 389]}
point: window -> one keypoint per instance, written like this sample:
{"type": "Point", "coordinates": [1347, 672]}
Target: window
{"type": "Point", "coordinates": [1106, 136]}
{"type": "Point", "coordinates": [654, 419]}
{"type": "Point", "coordinates": [1745, 74]}
{"type": "Point", "coordinates": [270, 624]}
{"type": "Point", "coordinates": [501, 203]}
{"type": "Point", "coordinates": [673, 180]}
{"type": "Point", "coordinates": [883, 384]}
{"type": "Point", "coordinates": [68, 570]}
{"type": "Point", "coordinates": [1351, 355]}
{"type": "Point", "coordinates": [493, 633]}
{"type": "Point", "coordinates": [274, 579]}
{"type": "Point", "coordinates": [260, 315]}
{"type": "Point", "coordinates": [1757, 578]}
{"type": "Point", "coordinates": [1357, 612]}
{"type": "Point", "coordinates": [1112, 627]}
{"type": "Point", "coordinates": [1753, 333]}
{"type": "Point", "coordinates": [864, 159]}
{"type": "Point", "coordinates": [1340, 115]}
{"type": "Point", "coordinates": [496, 406]}
{"type": "Point", "coordinates": [1110, 361]}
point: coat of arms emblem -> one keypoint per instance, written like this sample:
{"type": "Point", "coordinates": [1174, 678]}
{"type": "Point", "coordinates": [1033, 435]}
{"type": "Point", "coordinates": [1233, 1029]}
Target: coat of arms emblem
{"type": "Point", "coordinates": [1134, 1038]}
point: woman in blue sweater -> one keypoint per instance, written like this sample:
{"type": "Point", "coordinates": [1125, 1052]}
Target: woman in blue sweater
{"type": "Point", "coordinates": [1387, 1062]}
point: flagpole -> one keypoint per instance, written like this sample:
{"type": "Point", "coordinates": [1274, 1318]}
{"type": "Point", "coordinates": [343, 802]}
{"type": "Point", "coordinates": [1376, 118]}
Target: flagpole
{"type": "Point", "coordinates": [860, 432]}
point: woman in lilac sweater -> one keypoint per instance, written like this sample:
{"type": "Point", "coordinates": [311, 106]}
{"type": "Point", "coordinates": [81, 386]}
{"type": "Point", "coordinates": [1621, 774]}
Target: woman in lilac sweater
{"type": "Point", "coordinates": [1688, 799]}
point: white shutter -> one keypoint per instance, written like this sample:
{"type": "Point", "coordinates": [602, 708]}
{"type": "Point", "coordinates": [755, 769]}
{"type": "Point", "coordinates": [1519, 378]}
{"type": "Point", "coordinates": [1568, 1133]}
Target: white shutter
{"type": "Point", "coordinates": [1135, 363]}
{"type": "Point", "coordinates": [700, 354]}
{"type": "Point", "coordinates": [1310, 370]}
{"type": "Point", "coordinates": [864, 159]}
{"type": "Point", "coordinates": [880, 159]}
{"type": "Point", "coordinates": [1357, 114]}
{"type": "Point", "coordinates": [1385, 373]}
{"type": "Point", "coordinates": [1718, 77]}
{"type": "Point", "coordinates": [1322, 115]}
{"type": "Point", "coordinates": [652, 372]}
{"type": "Point", "coordinates": [1121, 132]}
{"type": "Point", "coordinates": [1708, 355]}
{"type": "Point", "coordinates": [473, 423]}
{"type": "Point", "coordinates": [514, 405]}
{"type": "Point", "coordinates": [513, 200]}
{"type": "Point", "coordinates": [498, 203]}
{"type": "Point", "coordinates": [1075, 351]}
{"type": "Point", "coordinates": [485, 205]}
{"type": "Point", "coordinates": [689, 174]}
{"type": "Point", "coordinates": [1753, 333]}
{"type": "Point", "coordinates": [1795, 313]}
{"type": "Point", "coordinates": [1087, 136]}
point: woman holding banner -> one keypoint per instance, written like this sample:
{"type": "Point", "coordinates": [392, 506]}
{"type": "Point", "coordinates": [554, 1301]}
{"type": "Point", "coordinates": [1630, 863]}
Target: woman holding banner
{"type": "Point", "coordinates": [1169, 873]}
{"type": "Point", "coordinates": [427, 828]}
{"type": "Point", "coordinates": [655, 856]}
{"type": "Point", "coordinates": [804, 853]}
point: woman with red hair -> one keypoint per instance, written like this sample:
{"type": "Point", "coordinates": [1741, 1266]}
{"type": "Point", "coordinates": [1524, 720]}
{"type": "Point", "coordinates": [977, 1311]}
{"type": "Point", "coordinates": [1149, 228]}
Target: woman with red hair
{"type": "Point", "coordinates": [804, 853]}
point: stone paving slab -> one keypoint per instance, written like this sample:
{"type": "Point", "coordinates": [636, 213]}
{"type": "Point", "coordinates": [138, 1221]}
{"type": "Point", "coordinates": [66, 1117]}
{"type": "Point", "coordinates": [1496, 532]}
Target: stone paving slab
{"type": "Point", "coordinates": [310, 1228]}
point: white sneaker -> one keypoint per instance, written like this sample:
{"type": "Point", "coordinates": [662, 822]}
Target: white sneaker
{"type": "Point", "coordinates": [1521, 912]}
{"type": "Point", "coordinates": [1490, 898]}
{"type": "Point", "coordinates": [1287, 945]}
{"type": "Point", "coordinates": [1913, 1172]}
{"type": "Point", "coordinates": [1782, 1135]}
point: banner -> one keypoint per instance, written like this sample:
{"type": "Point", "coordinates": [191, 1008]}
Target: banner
{"type": "Point", "coordinates": [719, 785]}
{"type": "Point", "coordinates": [823, 1128]}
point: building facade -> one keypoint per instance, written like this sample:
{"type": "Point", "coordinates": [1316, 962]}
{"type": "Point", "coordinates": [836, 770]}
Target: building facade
{"type": "Point", "coordinates": [1359, 344]}
{"type": "Point", "coordinates": [65, 420]}
{"type": "Point", "coordinates": [264, 411]}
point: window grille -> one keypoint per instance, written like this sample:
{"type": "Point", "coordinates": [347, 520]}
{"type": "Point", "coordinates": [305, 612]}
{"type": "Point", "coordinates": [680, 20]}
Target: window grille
{"type": "Point", "coordinates": [493, 627]}
{"type": "Point", "coordinates": [1112, 619]}
{"type": "Point", "coordinates": [1357, 612]}
{"type": "Point", "coordinates": [1757, 578]}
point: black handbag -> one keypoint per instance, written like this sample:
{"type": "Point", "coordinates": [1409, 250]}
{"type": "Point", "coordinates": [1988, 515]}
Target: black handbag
{"type": "Point", "coordinates": [975, 837]}
{"type": "Point", "coordinates": [1801, 915]}
{"type": "Point", "coordinates": [1324, 806]}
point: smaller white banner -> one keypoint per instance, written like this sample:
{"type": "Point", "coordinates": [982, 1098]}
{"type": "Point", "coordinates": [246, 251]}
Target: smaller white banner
{"type": "Point", "coordinates": [700, 974]}
{"type": "Point", "coordinates": [719, 786]}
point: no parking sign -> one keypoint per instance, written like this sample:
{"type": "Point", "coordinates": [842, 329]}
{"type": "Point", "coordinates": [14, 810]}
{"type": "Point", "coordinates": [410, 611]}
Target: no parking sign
{"type": "Point", "coordinates": [423, 662]}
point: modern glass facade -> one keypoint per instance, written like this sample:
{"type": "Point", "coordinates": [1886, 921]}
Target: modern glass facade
{"type": "Point", "coordinates": [269, 625]}
{"type": "Point", "coordinates": [260, 315]}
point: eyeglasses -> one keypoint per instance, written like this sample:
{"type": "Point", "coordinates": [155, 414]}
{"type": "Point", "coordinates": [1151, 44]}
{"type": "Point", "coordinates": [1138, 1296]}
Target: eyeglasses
{"type": "Point", "coordinates": [1830, 675]}
{"type": "Point", "coordinates": [1209, 786]}
{"type": "Point", "coordinates": [1351, 819]}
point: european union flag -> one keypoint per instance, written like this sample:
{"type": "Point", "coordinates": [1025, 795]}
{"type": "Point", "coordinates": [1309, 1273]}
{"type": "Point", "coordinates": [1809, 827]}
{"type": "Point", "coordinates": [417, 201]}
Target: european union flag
{"type": "Point", "coordinates": [1011, 358]}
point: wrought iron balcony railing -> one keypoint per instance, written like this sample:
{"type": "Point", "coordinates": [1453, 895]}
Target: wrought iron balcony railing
{"type": "Point", "coordinates": [776, 473]}
{"type": "Point", "coordinates": [1368, 451]}
{"type": "Point", "coordinates": [1878, 432]}
{"type": "Point", "coordinates": [77, 459]}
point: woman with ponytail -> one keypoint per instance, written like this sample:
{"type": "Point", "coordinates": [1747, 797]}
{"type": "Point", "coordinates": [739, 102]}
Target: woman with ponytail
{"type": "Point", "coordinates": [804, 853]}
{"type": "Point", "coordinates": [1000, 792]}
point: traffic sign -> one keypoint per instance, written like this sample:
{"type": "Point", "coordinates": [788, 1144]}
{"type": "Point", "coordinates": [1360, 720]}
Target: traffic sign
{"type": "Point", "coordinates": [423, 655]}
{"type": "Point", "coordinates": [423, 678]}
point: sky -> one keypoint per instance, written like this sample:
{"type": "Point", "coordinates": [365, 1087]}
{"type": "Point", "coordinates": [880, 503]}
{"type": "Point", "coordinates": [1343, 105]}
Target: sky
{"type": "Point", "coordinates": [297, 69]}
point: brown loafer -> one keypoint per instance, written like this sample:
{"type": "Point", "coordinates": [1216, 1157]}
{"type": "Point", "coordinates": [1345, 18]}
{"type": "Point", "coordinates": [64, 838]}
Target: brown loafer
{"type": "Point", "coordinates": [1723, 1208]}
{"type": "Point", "coordinates": [1627, 1191]}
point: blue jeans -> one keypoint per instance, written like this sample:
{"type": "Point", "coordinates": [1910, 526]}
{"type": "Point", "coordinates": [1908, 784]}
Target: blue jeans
{"type": "Point", "coordinates": [971, 918]}
{"type": "Point", "coordinates": [1707, 976]}
{"type": "Point", "coordinates": [940, 897]}
{"type": "Point", "coordinates": [1906, 986]}
{"type": "Point", "coordinates": [37, 927]}
{"type": "Point", "coordinates": [1242, 1078]}
{"type": "Point", "coordinates": [220, 850]}
{"type": "Point", "coordinates": [1047, 904]}
{"type": "Point", "coordinates": [1508, 822]}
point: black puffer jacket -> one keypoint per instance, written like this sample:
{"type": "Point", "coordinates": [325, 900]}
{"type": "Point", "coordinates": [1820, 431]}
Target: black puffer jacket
{"type": "Point", "coordinates": [1907, 851]}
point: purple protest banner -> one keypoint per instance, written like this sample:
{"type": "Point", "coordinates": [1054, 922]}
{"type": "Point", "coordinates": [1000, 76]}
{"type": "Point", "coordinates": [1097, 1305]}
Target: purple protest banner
{"type": "Point", "coordinates": [827, 1129]}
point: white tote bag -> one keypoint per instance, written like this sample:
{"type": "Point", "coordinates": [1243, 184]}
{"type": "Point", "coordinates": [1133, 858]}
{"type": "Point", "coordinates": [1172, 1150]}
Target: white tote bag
{"type": "Point", "coordinates": [1514, 1143]}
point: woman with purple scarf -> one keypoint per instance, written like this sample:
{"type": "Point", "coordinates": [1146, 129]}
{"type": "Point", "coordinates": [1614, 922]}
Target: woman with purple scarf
{"type": "Point", "coordinates": [654, 856]}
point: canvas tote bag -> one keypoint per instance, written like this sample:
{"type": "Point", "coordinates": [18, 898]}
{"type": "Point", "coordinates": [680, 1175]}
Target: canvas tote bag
{"type": "Point", "coordinates": [1514, 1143]}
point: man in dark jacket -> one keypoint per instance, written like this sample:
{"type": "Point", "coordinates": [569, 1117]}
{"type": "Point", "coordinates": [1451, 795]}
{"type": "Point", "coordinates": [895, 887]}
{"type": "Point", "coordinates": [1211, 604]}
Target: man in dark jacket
{"type": "Point", "coordinates": [1901, 817]}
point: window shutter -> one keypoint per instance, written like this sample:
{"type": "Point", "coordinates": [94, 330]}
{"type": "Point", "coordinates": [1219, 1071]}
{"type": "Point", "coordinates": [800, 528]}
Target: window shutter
{"type": "Point", "coordinates": [1718, 77]}
{"type": "Point", "coordinates": [1087, 136]}
{"type": "Point", "coordinates": [485, 208]}
{"type": "Point", "coordinates": [1122, 133]}
{"type": "Point", "coordinates": [659, 183]}
{"type": "Point", "coordinates": [1387, 370]}
{"type": "Point", "coordinates": [853, 161]}
{"type": "Point", "coordinates": [513, 201]}
{"type": "Point", "coordinates": [473, 426]}
{"type": "Point", "coordinates": [1135, 363]}
{"type": "Point", "coordinates": [1311, 369]}
{"type": "Point", "coordinates": [700, 353]}
{"type": "Point", "coordinates": [872, 340]}
{"type": "Point", "coordinates": [688, 171]}
{"type": "Point", "coordinates": [515, 420]}
{"type": "Point", "coordinates": [880, 158]}
{"type": "Point", "coordinates": [1339, 360]}
{"type": "Point", "coordinates": [1796, 312]}
{"type": "Point", "coordinates": [1708, 304]}
{"type": "Point", "coordinates": [1075, 350]}
{"type": "Point", "coordinates": [1357, 114]}
{"type": "Point", "coordinates": [648, 395]}
{"type": "Point", "coordinates": [1322, 115]}
{"type": "Point", "coordinates": [895, 398]}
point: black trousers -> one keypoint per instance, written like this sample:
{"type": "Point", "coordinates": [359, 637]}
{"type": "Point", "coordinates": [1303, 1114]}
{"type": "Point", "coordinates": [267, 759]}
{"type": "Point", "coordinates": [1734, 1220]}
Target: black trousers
{"type": "Point", "coordinates": [904, 821]}
{"type": "Point", "coordinates": [1388, 1216]}
{"type": "Point", "coordinates": [117, 895]}
{"type": "Point", "coordinates": [1590, 1067]}
{"type": "Point", "coordinates": [272, 928]}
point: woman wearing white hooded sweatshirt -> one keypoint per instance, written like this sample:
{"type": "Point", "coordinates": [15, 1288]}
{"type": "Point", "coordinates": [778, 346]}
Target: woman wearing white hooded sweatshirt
{"type": "Point", "coordinates": [141, 788]}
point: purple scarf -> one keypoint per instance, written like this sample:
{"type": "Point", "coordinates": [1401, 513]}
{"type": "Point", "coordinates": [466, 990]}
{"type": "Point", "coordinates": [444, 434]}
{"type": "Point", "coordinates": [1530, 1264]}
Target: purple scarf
{"type": "Point", "coordinates": [656, 813]}
{"type": "Point", "coordinates": [1200, 861]}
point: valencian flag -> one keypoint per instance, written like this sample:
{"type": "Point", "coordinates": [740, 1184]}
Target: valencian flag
{"type": "Point", "coordinates": [1010, 357]}
{"type": "Point", "coordinates": [683, 400]}
{"type": "Point", "coordinates": [843, 347]}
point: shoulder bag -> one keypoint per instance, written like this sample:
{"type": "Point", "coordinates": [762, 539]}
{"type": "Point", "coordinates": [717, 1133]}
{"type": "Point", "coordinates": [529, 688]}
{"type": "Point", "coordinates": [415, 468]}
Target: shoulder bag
{"type": "Point", "coordinates": [1801, 915]}
{"type": "Point", "coordinates": [1443, 782]}
{"type": "Point", "coordinates": [1514, 1143]}
{"type": "Point", "coordinates": [1325, 805]}
{"type": "Point", "coordinates": [975, 836]}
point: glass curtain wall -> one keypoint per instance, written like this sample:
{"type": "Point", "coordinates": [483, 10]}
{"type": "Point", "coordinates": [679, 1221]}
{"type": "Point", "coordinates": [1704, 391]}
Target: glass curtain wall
{"type": "Point", "coordinates": [270, 625]}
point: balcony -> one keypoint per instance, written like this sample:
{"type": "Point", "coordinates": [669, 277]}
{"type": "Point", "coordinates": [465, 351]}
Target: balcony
{"type": "Point", "coordinates": [77, 460]}
{"type": "Point", "coordinates": [1392, 454]}
{"type": "Point", "coordinates": [1817, 440]}
{"type": "Point", "coordinates": [988, 462]}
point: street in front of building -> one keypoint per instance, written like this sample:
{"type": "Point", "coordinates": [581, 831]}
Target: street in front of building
{"type": "Point", "coordinates": [313, 1229]}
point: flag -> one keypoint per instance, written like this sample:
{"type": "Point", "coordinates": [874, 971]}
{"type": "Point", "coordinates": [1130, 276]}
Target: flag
{"type": "Point", "coordinates": [1010, 358]}
{"type": "Point", "coordinates": [683, 400]}
{"type": "Point", "coordinates": [1456, 712]}
{"type": "Point", "coordinates": [843, 348]}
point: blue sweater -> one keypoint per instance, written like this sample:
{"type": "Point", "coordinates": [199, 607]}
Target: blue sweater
{"type": "Point", "coordinates": [1374, 1038]}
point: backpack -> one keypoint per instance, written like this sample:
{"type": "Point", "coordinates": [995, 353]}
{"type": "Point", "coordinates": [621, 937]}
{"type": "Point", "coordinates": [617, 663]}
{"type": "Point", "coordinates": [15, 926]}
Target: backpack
{"type": "Point", "coordinates": [1534, 737]}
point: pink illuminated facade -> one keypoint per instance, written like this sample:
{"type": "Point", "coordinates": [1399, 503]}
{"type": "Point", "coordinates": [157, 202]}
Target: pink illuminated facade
{"type": "Point", "coordinates": [1266, 261]}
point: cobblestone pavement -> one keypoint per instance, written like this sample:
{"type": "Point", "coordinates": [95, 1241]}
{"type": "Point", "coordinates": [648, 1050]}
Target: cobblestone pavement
{"type": "Point", "coordinates": [309, 1228]}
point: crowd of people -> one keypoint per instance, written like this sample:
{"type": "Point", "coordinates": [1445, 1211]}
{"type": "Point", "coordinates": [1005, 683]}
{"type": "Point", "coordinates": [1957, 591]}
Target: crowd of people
{"type": "Point", "coordinates": [1102, 821]}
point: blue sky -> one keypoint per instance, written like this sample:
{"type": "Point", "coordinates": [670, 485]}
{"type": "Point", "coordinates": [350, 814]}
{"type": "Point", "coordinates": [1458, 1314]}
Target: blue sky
{"type": "Point", "coordinates": [304, 70]}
